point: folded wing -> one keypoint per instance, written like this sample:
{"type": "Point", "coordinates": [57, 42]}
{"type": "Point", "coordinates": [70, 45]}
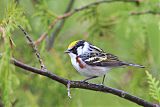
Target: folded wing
{"type": "Point", "coordinates": [101, 59]}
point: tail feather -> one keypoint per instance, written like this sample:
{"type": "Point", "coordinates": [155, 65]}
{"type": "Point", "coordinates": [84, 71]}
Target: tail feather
{"type": "Point", "coordinates": [134, 65]}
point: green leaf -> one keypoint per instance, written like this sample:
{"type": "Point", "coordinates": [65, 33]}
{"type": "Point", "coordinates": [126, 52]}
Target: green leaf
{"type": "Point", "coordinates": [153, 87]}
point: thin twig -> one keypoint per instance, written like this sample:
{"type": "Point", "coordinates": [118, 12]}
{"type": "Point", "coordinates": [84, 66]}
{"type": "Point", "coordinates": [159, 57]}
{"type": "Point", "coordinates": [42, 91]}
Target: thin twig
{"type": "Point", "coordinates": [84, 85]}
{"type": "Point", "coordinates": [68, 89]}
{"type": "Point", "coordinates": [68, 14]}
{"type": "Point", "coordinates": [44, 35]}
{"type": "Point", "coordinates": [41, 38]}
{"type": "Point", "coordinates": [145, 12]}
{"type": "Point", "coordinates": [34, 48]}
{"type": "Point", "coordinates": [59, 26]}
{"type": "Point", "coordinates": [90, 5]}
{"type": "Point", "coordinates": [2, 30]}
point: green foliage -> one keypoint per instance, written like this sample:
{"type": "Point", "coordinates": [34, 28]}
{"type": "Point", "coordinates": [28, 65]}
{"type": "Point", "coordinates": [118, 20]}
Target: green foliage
{"type": "Point", "coordinates": [13, 16]}
{"type": "Point", "coordinates": [133, 38]}
{"type": "Point", "coordinates": [99, 24]}
{"type": "Point", "coordinates": [45, 14]}
{"type": "Point", "coordinates": [154, 87]}
{"type": "Point", "coordinates": [5, 76]}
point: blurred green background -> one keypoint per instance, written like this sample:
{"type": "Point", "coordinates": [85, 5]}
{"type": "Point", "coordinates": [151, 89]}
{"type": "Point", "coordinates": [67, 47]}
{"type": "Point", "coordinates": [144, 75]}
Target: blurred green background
{"type": "Point", "coordinates": [110, 26]}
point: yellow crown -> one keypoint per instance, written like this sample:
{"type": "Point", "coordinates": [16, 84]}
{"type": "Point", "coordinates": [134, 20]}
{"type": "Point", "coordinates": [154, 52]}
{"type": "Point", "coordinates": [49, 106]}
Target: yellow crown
{"type": "Point", "coordinates": [72, 44]}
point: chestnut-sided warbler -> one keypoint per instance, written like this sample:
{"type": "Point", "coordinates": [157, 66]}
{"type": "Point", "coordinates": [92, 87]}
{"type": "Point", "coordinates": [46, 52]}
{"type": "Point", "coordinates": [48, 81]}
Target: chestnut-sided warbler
{"type": "Point", "coordinates": [91, 61]}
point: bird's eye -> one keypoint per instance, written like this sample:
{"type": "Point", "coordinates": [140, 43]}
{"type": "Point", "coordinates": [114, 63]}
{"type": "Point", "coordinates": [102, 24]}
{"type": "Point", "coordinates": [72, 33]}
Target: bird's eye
{"type": "Point", "coordinates": [74, 50]}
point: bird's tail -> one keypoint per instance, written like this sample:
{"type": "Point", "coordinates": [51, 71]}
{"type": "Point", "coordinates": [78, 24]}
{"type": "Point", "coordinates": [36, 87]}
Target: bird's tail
{"type": "Point", "coordinates": [134, 65]}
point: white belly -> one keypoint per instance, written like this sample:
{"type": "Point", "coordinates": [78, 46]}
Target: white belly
{"type": "Point", "coordinates": [88, 70]}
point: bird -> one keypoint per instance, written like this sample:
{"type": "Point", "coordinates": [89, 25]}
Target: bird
{"type": "Point", "coordinates": [92, 62]}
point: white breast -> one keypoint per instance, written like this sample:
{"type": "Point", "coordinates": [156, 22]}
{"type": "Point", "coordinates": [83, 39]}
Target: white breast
{"type": "Point", "coordinates": [88, 70]}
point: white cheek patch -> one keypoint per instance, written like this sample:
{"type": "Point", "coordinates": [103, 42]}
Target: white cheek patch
{"type": "Point", "coordinates": [85, 47]}
{"type": "Point", "coordinates": [80, 50]}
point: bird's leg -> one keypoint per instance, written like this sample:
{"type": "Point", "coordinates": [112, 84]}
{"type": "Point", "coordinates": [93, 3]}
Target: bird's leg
{"type": "Point", "coordinates": [90, 78]}
{"type": "Point", "coordinates": [103, 79]}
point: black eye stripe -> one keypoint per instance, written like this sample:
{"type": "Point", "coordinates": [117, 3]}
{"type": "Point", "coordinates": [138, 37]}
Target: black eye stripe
{"type": "Point", "coordinates": [74, 50]}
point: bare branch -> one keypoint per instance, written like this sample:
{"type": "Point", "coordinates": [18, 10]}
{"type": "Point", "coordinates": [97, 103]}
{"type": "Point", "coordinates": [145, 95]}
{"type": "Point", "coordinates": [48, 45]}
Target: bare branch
{"type": "Point", "coordinates": [145, 12]}
{"type": "Point", "coordinates": [41, 38]}
{"type": "Point", "coordinates": [68, 89]}
{"type": "Point", "coordinates": [44, 35]}
{"type": "Point", "coordinates": [59, 27]}
{"type": "Point", "coordinates": [70, 13]}
{"type": "Point", "coordinates": [34, 47]}
{"type": "Point", "coordinates": [93, 4]}
{"type": "Point", "coordinates": [84, 85]}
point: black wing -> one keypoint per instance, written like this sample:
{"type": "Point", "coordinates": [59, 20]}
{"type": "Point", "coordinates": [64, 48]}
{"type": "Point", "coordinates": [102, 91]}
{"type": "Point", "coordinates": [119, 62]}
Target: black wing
{"type": "Point", "coordinates": [101, 59]}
